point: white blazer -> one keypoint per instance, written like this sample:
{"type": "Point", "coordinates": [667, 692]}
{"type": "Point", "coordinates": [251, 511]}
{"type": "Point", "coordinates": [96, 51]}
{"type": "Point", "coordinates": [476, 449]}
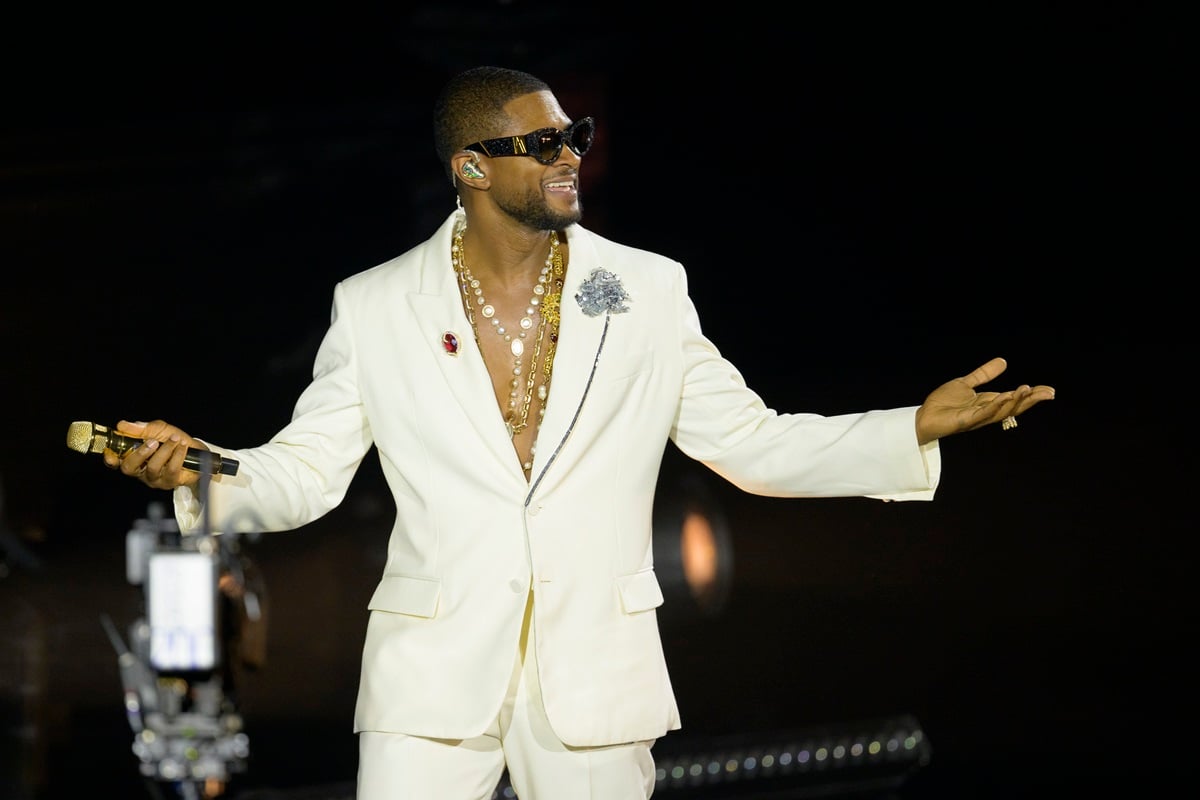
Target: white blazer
{"type": "Point", "coordinates": [472, 535]}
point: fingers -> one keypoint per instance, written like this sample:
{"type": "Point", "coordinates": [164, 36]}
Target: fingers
{"type": "Point", "coordinates": [133, 428]}
{"type": "Point", "coordinates": [150, 454]}
{"type": "Point", "coordinates": [1030, 396]}
{"type": "Point", "coordinates": [156, 429]}
{"type": "Point", "coordinates": [985, 372]}
{"type": "Point", "coordinates": [1017, 402]}
{"type": "Point", "coordinates": [998, 405]}
{"type": "Point", "coordinates": [158, 460]}
{"type": "Point", "coordinates": [1041, 392]}
{"type": "Point", "coordinates": [158, 464]}
{"type": "Point", "coordinates": [136, 461]}
{"type": "Point", "coordinates": [1007, 404]}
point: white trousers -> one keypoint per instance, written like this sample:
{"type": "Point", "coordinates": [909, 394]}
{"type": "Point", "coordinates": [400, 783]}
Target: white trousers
{"type": "Point", "coordinates": [394, 766]}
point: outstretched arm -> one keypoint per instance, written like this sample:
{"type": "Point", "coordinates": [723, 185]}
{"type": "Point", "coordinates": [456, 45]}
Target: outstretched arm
{"type": "Point", "coordinates": [955, 406]}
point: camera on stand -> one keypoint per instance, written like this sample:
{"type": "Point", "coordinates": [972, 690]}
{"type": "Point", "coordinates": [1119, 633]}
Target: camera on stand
{"type": "Point", "coordinates": [204, 623]}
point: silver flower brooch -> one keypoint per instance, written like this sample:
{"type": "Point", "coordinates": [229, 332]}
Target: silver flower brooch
{"type": "Point", "coordinates": [602, 292]}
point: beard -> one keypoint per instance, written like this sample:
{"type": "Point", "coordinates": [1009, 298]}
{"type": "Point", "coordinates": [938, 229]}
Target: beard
{"type": "Point", "coordinates": [530, 209]}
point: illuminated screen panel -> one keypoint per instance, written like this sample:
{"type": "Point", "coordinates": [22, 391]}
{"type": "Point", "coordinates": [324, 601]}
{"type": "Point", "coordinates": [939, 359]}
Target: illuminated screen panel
{"type": "Point", "coordinates": [182, 611]}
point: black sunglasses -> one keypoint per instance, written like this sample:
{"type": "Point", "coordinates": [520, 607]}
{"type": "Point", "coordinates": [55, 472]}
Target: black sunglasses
{"type": "Point", "coordinates": [545, 144]}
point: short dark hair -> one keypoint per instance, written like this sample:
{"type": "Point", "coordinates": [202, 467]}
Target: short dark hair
{"type": "Point", "coordinates": [470, 107]}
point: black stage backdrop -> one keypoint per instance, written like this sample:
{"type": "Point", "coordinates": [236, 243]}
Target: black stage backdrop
{"type": "Point", "coordinates": [868, 203]}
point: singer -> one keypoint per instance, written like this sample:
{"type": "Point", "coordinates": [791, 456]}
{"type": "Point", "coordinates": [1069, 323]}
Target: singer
{"type": "Point", "coordinates": [519, 376]}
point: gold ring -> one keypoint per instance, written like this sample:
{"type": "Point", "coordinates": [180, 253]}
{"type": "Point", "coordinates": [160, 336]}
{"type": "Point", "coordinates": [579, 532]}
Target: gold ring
{"type": "Point", "coordinates": [1008, 422]}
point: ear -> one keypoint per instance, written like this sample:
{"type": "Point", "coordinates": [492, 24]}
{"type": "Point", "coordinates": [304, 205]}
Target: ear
{"type": "Point", "coordinates": [467, 169]}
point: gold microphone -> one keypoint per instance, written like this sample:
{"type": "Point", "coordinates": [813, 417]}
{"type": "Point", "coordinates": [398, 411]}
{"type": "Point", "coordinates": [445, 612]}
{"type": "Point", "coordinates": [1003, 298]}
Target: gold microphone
{"type": "Point", "coordinates": [89, 437]}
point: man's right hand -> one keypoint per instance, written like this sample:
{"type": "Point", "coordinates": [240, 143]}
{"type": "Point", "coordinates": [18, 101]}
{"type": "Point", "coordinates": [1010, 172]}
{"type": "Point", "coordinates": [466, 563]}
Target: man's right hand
{"type": "Point", "coordinates": [157, 462]}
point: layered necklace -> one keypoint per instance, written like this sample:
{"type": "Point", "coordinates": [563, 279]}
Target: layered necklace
{"type": "Point", "coordinates": [541, 327]}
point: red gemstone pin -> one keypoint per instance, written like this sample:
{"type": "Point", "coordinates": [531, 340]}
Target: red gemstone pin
{"type": "Point", "coordinates": [450, 342]}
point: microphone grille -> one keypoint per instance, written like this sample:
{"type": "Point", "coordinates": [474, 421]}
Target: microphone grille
{"type": "Point", "coordinates": [80, 436]}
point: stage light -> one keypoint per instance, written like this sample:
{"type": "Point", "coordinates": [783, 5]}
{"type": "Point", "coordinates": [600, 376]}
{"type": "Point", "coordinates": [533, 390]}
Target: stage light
{"type": "Point", "coordinates": [862, 759]}
{"type": "Point", "coordinates": [827, 761]}
{"type": "Point", "coordinates": [693, 550]}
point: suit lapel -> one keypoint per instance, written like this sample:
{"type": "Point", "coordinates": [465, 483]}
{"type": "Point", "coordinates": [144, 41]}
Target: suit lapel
{"type": "Point", "coordinates": [438, 310]}
{"type": "Point", "coordinates": [579, 338]}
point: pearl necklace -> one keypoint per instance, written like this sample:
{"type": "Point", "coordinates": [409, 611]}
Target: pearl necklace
{"type": "Point", "coordinates": [547, 294]}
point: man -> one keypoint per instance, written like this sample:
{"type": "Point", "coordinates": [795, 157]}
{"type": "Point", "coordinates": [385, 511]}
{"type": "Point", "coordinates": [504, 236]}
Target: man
{"type": "Point", "coordinates": [520, 377]}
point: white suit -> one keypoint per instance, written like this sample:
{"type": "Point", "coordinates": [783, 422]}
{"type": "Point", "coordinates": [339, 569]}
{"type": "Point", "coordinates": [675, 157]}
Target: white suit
{"type": "Point", "coordinates": [472, 535]}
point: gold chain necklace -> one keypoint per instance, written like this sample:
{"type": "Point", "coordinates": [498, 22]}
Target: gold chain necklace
{"type": "Point", "coordinates": [547, 293]}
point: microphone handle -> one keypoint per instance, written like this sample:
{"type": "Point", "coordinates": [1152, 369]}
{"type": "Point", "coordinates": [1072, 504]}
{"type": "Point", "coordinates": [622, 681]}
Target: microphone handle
{"type": "Point", "coordinates": [194, 459]}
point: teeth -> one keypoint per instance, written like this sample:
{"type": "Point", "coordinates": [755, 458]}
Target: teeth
{"type": "Point", "coordinates": [560, 184]}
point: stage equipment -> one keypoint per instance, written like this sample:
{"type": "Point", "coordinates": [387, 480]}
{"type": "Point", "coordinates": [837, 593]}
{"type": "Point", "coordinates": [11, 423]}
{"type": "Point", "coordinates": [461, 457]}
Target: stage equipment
{"type": "Point", "coordinates": [864, 760]}
{"type": "Point", "coordinates": [868, 758]}
{"type": "Point", "coordinates": [204, 624]}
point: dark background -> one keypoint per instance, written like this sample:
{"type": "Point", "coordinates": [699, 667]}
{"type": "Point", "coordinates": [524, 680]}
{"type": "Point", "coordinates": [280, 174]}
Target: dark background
{"type": "Point", "coordinates": [869, 202]}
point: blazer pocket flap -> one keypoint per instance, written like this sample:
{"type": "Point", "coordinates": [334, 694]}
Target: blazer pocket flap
{"type": "Point", "coordinates": [640, 591]}
{"type": "Point", "coordinates": [405, 594]}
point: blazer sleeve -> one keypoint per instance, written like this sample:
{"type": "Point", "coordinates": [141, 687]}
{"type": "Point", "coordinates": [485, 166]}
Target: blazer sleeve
{"type": "Point", "coordinates": [725, 425]}
{"type": "Point", "coordinates": [304, 471]}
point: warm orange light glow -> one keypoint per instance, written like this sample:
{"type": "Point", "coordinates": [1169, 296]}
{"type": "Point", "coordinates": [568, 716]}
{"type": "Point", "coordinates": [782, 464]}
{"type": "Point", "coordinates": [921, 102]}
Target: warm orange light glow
{"type": "Point", "coordinates": [698, 547]}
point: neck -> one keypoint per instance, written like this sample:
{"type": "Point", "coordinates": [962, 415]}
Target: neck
{"type": "Point", "coordinates": [505, 253]}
